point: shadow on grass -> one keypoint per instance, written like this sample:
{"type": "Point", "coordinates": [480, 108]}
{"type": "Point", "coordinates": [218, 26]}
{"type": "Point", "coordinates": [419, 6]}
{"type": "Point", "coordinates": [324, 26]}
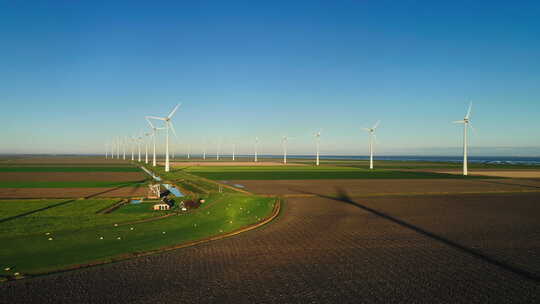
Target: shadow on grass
{"type": "Point", "coordinates": [7, 219]}
{"type": "Point", "coordinates": [343, 197]}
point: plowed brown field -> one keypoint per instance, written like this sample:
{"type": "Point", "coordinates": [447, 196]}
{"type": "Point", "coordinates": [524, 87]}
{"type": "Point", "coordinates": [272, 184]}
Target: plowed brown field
{"type": "Point", "coordinates": [71, 176]}
{"type": "Point", "coordinates": [387, 186]}
{"type": "Point", "coordinates": [72, 192]}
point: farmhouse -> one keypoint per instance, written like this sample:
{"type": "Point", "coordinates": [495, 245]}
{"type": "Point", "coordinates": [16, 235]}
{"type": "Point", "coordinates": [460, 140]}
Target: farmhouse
{"type": "Point", "coordinates": [162, 206]}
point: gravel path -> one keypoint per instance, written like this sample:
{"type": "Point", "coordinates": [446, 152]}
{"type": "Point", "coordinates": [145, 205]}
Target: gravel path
{"type": "Point", "coordinates": [319, 250]}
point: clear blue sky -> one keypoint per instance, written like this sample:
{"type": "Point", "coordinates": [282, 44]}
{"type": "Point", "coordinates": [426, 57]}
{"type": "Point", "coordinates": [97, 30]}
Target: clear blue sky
{"type": "Point", "coordinates": [75, 74]}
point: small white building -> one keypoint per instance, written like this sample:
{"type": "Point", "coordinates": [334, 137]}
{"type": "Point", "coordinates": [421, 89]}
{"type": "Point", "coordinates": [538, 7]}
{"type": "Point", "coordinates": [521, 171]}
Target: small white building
{"type": "Point", "coordinates": [161, 207]}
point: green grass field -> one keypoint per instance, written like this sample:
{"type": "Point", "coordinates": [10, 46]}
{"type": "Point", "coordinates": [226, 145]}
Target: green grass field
{"type": "Point", "coordinates": [76, 230]}
{"type": "Point", "coordinates": [305, 172]}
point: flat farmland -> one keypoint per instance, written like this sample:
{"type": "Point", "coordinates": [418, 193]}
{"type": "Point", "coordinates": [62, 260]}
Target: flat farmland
{"type": "Point", "coordinates": [386, 186]}
{"type": "Point", "coordinates": [502, 226]}
{"type": "Point", "coordinates": [308, 173]}
{"type": "Point", "coordinates": [70, 177]}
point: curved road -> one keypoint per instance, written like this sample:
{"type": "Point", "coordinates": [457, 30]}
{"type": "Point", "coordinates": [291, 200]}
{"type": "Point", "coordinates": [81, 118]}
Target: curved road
{"type": "Point", "coordinates": [318, 251]}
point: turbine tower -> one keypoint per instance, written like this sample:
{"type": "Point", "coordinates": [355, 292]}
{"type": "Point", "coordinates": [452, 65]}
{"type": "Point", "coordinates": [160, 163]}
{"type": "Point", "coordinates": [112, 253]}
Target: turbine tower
{"type": "Point", "coordinates": [153, 134]}
{"type": "Point", "coordinates": [124, 149]}
{"type": "Point", "coordinates": [284, 141]}
{"type": "Point", "coordinates": [371, 132]}
{"type": "Point", "coordinates": [118, 147]}
{"type": "Point", "coordinates": [133, 148]}
{"type": "Point", "coordinates": [233, 151]}
{"type": "Point", "coordinates": [106, 151]}
{"type": "Point", "coordinates": [256, 148]}
{"type": "Point", "coordinates": [168, 125]}
{"type": "Point", "coordinates": [218, 150]}
{"type": "Point", "coordinates": [139, 140]}
{"type": "Point", "coordinates": [318, 142]}
{"type": "Point", "coordinates": [146, 148]}
{"type": "Point", "coordinates": [466, 123]}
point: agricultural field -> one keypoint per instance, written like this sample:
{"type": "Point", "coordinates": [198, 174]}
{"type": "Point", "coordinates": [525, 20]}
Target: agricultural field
{"type": "Point", "coordinates": [306, 173]}
{"type": "Point", "coordinates": [41, 236]}
{"type": "Point", "coordinates": [70, 178]}
{"type": "Point", "coordinates": [79, 214]}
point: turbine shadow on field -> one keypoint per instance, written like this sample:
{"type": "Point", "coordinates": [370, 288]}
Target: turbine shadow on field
{"type": "Point", "coordinates": [511, 184]}
{"type": "Point", "coordinates": [342, 196]}
{"type": "Point", "coordinates": [7, 219]}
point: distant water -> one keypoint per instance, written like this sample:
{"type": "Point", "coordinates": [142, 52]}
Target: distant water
{"type": "Point", "coordinates": [473, 159]}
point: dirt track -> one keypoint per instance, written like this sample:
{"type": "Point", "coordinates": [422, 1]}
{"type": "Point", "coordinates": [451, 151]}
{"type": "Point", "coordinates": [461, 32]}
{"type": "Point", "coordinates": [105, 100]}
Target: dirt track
{"type": "Point", "coordinates": [71, 176]}
{"type": "Point", "coordinates": [357, 187]}
{"type": "Point", "coordinates": [323, 250]}
{"type": "Point", "coordinates": [72, 192]}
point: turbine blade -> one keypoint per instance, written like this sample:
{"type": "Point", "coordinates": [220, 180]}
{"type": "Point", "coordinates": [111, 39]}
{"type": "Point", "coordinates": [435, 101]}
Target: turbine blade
{"type": "Point", "coordinates": [155, 117]}
{"type": "Point", "coordinates": [472, 128]}
{"type": "Point", "coordinates": [469, 111]}
{"type": "Point", "coordinates": [376, 125]}
{"type": "Point", "coordinates": [172, 129]}
{"type": "Point", "coordinates": [458, 121]}
{"type": "Point", "coordinates": [173, 111]}
{"type": "Point", "coordinates": [150, 123]}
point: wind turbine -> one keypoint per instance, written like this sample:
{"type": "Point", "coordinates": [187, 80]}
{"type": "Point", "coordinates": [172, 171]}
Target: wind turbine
{"type": "Point", "coordinates": [153, 134]}
{"type": "Point", "coordinates": [233, 151]}
{"type": "Point", "coordinates": [204, 151]}
{"type": "Point", "coordinates": [284, 141]}
{"type": "Point", "coordinates": [371, 132]}
{"type": "Point", "coordinates": [218, 150]}
{"type": "Point", "coordinates": [133, 140]}
{"type": "Point", "coordinates": [168, 125]}
{"type": "Point", "coordinates": [106, 151]}
{"type": "Point", "coordinates": [139, 140]}
{"type": "Point", "coordinates": [256, 148]}
{"type": "Point", "coordinates": [124, 143]}
{"type": "Point", "coordinates": [117, 148]}
{"type": "Point", "coordinates": [189, 151]}
{"type": "Point", "coordinates": [318, 142]}
{"type": "Point", "coordinates": [466, 123]}
{"type": "Point", "coordinates": [146, 148]}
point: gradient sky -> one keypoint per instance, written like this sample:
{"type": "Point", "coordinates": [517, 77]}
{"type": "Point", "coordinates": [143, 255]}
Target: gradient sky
{"type": "Point", "coordinates": [75, 74]}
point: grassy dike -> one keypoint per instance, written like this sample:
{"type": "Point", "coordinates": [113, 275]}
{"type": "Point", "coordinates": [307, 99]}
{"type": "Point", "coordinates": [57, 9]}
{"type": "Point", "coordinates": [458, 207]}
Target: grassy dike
{"type": "Point", "coordinates": [38, 240]}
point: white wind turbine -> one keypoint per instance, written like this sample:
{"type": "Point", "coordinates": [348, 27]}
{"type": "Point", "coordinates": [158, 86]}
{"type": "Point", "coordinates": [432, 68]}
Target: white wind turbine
{"type": "Point", "coordinates": [371, 132]}
{"type": "Point", "coordinates": [168, 125]}
{"type": "Point", "coordinates": [256, 148]}
{"type": "Point", "coordinates": [466, 123]}
{"type": "Point", "coordinates": [118, 147]}
{"type": "Point", "coordinates": [133, 141]}
{"type": "Point", "coordinates": [139, 141]}
{"type": "Point", "coordinates": [218, 151]}
{"type": "Point", "coordinates": [318, 142]}
{"type": "Point", "coordinates": [146, 148]}
{"type": "Point", "coordinates": [233, 151]}
{"type": "Point", "coordinates": [284, 141]}
{"type": "Point", "coordinates": [204, 151]}
{"type": "Point", "coordinates": [153, 134]}
{"type": "Point", "coordinates": [189, 151]}
{"type": "Point", "coordinates": [106, 151]}
{"type": "Point", "coordinates": [124, 143]}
